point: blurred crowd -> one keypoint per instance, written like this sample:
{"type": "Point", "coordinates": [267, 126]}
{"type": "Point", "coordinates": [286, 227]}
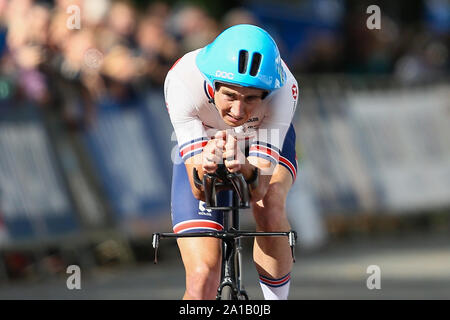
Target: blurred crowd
{"type": "Point", "coordinates": [70, 56]}
{"type": "Point", "coordinates": [412, 42]}
{"type": "Point", "coordinates": [73, 55]}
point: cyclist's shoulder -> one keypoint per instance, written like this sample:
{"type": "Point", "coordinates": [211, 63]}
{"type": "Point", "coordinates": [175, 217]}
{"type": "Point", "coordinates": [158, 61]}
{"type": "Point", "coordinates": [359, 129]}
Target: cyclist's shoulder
{"type": "Point", "coordinates": [289, 90]}
{"type": "Point", "coordinates": [185, 73]}
{"type": "Point", "coordinates": [185, 63]}
{"type": "Point", "coordinates": [185, 84]}
{"type": "Point", "coordinates": [289, 75]}
{"type": "Point", "coordinates": [283, 102]}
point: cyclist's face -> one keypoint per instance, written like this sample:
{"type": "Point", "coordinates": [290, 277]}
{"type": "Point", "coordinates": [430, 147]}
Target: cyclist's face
{"type": "Point", "coordinates": [236, 104]}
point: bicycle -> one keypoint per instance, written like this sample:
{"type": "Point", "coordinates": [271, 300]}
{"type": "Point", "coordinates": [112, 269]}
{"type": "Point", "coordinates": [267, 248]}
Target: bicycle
{"type": "Point", "coordinates": [231, 285]}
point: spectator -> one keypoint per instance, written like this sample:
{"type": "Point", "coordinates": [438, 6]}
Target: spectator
{"type": "Point", "coordinates": [121, 20]}
{"type": "Point", "coordinates": [159, 49]}
{"type": "Point", "coordinates": [239, 16]}
{"type": "Point", "coordinates": [193, 27]}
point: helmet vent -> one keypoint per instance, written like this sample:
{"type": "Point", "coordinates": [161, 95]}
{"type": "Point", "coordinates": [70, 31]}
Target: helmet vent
{"type": "Point", "coordinates": [243, 60]}
{"type": "Point", "coordinates": [256, 62]}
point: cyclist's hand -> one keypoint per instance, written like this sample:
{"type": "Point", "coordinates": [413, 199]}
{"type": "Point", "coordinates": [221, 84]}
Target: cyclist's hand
{"type": "Point", "coordinates": [234, 158]}
{"type": "Point", "coordinates": [212, 154]}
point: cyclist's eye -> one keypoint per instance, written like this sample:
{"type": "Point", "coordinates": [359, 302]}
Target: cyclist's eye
{"type": "Point", "coordinates": [251, 99]}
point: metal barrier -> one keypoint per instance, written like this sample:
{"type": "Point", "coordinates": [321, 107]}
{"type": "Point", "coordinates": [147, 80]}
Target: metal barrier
{"type": "Point", "coordinates": [135, 176]}
{"type": "Point", "coordinates": [375, 144]}
{"type": "Point", "coordinates": [34, 202]}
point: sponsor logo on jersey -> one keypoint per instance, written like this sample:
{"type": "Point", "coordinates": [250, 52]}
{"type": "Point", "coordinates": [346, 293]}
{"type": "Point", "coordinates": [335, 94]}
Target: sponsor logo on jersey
{"type": "Point", "coordinates": [253, 119]}
{"type": "Point", "coordinates": [202, 209]}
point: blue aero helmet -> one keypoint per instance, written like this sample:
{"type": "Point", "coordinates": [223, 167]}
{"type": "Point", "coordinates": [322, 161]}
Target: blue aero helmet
{"type": "Point", "coordinates": [243, 55]}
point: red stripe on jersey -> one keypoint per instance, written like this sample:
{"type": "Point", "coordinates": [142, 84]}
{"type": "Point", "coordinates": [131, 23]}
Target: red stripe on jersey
{"type": "Point", "coordinates": [175, 64]}
{"type": "Point", "coordinates": [264, 150]}
{"type": "Point", "coordinates": [192, 147]}
{"type": "Point", "coordinates": [289, 164]}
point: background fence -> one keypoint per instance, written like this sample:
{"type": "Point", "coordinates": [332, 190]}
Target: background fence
{"type": "Point", "coordinates": [377, 147]}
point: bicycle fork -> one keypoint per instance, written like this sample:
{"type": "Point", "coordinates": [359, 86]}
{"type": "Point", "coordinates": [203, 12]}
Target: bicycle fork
{"type": "Point", "coordinates": [229, 252]}
{"type": "Point", "coordinates": [232, 277]}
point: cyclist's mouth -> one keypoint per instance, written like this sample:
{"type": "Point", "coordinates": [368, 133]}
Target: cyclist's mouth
{"type": "Point", "coordinates": [233, 119]}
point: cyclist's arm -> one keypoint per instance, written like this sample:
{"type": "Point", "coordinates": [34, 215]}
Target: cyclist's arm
{"type": "Point", "coordinates": [190, 133]}
{"type": "Point", "coordinates": [265, 168]}
{"type": "Point", "coordinates": [191, 163]}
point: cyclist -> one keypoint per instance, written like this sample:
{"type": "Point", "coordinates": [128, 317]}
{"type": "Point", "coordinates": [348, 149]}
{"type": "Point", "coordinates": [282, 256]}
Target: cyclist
{"type": "Point", "coordinates": [238, 82]}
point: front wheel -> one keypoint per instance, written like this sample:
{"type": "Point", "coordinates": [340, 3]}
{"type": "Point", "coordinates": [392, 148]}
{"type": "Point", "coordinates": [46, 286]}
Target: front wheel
{"type": "Point", "coordinates": [227, 293]}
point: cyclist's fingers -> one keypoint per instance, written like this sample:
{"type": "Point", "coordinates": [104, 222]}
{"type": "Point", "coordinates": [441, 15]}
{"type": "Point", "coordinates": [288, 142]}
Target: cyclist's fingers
{"type": "Point", "coordinates": [232, 150]}
{"type": "Point", "coordinates": [211, 145]}
{"type": "Point", "coordinates": [233, 165]}
{"type": "Point", "coordinates": [216, 151]}
{"type": "Point", "coordinates": [208, 150]}
{"type": "Point", "coordinates": [229, 154]}
{"type": "Point", "coordinates": [219, 155]}
{"type": "Point", "coordinates": [210, 168]}
{"type": "Point", "coordinates": [211, 158]}
{"type": "Point", "coordinates": [220, 143]}
{"type": "Point", "coordinates": [231, 141]}
{"type": "Point", "coordinates": [214, 146]}
{"type": "Point", "coordinates": [220, 135]}
{"type": "Point", "coordinates": [209, 162]}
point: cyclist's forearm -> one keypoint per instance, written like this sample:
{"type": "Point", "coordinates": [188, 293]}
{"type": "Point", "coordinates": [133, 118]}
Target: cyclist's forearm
{"type": "Point", "coordinates": [191, 163]}
{"type": "Point", "coordinates": [265, 169]}
{"type": "Point", "coordinates": [247, 170]}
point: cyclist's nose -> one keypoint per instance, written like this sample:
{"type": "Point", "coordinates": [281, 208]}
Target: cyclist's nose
{"type": "Point", "coordinates": [237, 109]}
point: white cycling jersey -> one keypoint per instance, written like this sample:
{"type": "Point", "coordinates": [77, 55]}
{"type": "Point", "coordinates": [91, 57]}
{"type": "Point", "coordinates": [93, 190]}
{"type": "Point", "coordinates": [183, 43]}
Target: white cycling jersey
{"type": "Point", "coordinates": [195, 117]}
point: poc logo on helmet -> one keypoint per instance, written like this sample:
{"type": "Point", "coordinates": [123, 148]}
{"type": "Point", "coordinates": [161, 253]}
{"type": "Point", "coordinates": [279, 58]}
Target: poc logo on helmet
{"type": "Point", "coordinates": [225, 75]}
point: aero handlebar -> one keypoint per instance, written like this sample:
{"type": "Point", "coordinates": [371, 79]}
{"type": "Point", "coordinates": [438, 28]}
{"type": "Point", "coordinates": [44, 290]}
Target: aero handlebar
{"type": "Point", "coordinates": [221, 180]}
